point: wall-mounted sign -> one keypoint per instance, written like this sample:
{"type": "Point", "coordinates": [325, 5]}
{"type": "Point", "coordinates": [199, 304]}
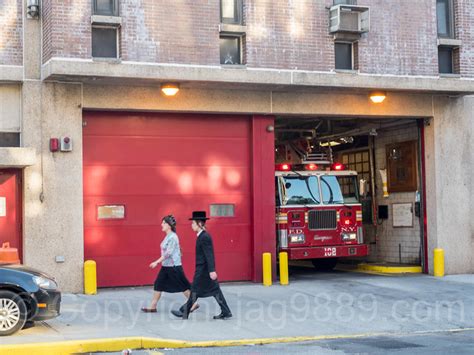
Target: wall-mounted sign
{"type": "Point", "coordinates": [3, 207]}
{"type": "Point", "coordinates": [402, 214]}
{"type": "Point", "coordinates": [222, 210]}
{"type": "Point", "coordinates": [111, 212]}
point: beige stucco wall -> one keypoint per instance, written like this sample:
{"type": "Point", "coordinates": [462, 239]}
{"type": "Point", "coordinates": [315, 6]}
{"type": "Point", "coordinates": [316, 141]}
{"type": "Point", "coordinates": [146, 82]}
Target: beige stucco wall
{"type": "Point", "coordinates": [53, 186]}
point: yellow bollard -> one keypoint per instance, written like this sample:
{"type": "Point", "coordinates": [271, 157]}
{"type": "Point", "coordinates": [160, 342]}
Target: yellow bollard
{"type": "Point", "coordinates": [438, 262]}
{"type": "Point", "coordinates": [90, 277]}
{"type": "Point", "coordinates": [267, 269]}
{"type": "Point", "coordinates": [283, 268]}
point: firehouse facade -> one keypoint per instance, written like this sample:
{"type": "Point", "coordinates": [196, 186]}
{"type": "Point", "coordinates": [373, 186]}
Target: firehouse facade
{"type": "Point", "coordinates": [93, 152]}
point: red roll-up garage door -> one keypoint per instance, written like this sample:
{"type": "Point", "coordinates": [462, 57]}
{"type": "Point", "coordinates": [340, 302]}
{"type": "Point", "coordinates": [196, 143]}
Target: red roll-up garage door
{"type": "Point", "coordinates": [140, 167]}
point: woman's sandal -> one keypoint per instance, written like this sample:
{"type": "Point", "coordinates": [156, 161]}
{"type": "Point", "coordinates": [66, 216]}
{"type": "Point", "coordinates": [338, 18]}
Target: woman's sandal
{"type": "Point", "coordinates": [148, 310]}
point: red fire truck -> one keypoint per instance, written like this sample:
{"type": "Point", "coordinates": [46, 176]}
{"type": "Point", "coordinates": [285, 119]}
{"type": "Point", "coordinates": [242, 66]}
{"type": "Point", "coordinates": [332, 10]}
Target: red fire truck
{"type": "Point", "coordinates": [318, 213]}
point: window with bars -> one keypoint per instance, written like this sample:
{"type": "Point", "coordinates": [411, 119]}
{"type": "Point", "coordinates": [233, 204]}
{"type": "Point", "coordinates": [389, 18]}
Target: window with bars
{"type": "Point", "coordinates": [360, 162]}
{"type": "Point", "coordinates": [230, 50]}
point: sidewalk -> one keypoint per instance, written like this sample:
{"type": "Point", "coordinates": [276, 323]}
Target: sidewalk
{"type": "Point", "coordinates": [313, 305]}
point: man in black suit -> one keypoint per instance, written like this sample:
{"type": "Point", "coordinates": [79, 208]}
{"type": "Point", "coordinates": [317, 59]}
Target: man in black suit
{"type": "Point", "coordinates": [205, 282]}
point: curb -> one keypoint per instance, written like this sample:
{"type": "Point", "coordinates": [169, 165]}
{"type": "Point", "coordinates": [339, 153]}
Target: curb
{"type": "Point", "coordinates": [137, 343]}
{"type": "Point", "coordinates": [390, 269]}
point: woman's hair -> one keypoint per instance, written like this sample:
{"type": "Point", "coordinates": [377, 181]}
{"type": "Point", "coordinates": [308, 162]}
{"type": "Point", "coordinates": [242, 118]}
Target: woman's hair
{"type": "Point", "coordinates": [171, 221]}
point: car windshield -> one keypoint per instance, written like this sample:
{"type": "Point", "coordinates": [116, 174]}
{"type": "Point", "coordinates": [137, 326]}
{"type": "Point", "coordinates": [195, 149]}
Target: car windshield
{"type": "Point", "coordinates": [339, 189]}
{"type": "Point", "coordinates": [299, 190]}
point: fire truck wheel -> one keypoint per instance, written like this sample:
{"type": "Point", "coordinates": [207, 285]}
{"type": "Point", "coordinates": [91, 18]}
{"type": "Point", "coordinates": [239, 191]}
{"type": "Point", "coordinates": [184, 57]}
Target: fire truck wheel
{"type": "Point", "coordinates": [324, 264]}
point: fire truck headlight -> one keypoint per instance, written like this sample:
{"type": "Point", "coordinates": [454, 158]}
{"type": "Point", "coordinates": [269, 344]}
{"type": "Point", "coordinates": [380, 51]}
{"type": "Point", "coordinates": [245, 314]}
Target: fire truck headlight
{"type": "Point", "coordinates": [349, 236]}
{"type": "Point", "coordinates": [297, 238]}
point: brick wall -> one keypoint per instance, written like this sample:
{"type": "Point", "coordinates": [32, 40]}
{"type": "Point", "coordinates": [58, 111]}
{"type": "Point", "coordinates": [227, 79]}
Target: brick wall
{"type": "Point", "coordinates": [464, 19]}
{"type": "Point", "coordinates": [388, 237]}
{"type": "Point", "coordinates": [281, 34]}
{"type": "Point", "coordinates": [289, 34]}
{"type": "Point", "coordinates": [11, 35]}
{"type": "Point", "coordinates": [163, 31]}
{"type": "Point", "coordinates": [402, 38]}
{"type": "Point", "coordinates": [66, 29]}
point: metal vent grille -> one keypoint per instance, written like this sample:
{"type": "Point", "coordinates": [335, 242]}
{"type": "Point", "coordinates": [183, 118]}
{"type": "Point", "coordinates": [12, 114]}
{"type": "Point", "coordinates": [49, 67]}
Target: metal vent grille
{"type": "Point", "coordinates": [349, 21]}
{"type": "Point", "coordinates": [326, 219]}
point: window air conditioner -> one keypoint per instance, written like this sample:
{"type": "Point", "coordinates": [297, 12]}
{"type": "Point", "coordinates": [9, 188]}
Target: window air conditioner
{"type": "Point", "coordinates": [349, 18]}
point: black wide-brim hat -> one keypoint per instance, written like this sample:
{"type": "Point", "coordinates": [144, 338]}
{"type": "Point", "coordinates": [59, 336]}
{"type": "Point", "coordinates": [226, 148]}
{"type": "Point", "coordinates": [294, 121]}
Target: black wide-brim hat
{"type": "Point", "coordinates": [199, 216]}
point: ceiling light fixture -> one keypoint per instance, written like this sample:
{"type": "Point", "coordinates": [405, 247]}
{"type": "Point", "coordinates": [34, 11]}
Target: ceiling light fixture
{"type": "Point", "coordinates": [378, 97]}
{"type": "Point", "coordinates": [170, 89]}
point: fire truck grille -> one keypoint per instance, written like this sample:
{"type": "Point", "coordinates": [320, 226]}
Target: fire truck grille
{"type": "Point", "coordinates": [326, 219]}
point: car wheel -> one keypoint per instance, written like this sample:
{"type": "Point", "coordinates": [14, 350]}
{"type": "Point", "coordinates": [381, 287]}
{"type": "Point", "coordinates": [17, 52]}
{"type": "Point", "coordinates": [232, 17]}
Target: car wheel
{"type": "Point", "coordinates": [324, 264]}
{"type": "Point", "coordinates": [12, 313]}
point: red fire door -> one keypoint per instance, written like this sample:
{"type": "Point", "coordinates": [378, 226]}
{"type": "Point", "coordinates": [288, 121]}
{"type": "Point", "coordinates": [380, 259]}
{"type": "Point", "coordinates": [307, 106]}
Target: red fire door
{"type": "Point", "coordinates": [140, 167]}
{"type": "Point", "coordinates": [10, 208]}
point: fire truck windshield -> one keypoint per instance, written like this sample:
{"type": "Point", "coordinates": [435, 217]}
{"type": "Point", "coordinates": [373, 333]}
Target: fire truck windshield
{"type": "Point", "coordinates": [299, 190]}
{"type": "Point", "coordinates": [339, 189]}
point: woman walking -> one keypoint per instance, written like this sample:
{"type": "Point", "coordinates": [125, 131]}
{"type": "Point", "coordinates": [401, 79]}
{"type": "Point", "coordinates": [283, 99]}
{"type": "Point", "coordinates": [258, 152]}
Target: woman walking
{"type": "Point", "coordinates": [171, 277]}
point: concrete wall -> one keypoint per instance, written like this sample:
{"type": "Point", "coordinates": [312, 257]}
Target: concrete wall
{"type": "Point", "coordinates": [450, 190]}
{"type": "Point", "coordinates": [53, 224]}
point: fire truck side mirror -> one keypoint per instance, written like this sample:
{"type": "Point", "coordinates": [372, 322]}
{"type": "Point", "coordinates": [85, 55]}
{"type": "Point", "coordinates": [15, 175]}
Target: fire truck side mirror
{"type": "Point", "coordinates": [363, 188]}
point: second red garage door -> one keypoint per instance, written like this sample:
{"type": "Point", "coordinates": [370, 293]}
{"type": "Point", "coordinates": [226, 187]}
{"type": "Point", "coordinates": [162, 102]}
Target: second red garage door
{"type": "Point", "coordinates": [140, 167]}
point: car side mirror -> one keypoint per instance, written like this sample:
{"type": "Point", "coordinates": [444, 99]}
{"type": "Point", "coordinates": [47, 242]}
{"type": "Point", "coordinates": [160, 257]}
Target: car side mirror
{"type": "Point", "coordinates": [363, 188]}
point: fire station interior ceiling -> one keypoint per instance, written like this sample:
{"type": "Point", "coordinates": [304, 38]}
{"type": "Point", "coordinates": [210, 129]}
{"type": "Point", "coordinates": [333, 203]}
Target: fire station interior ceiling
{"type": "Point", "coordinates": [340, 133]}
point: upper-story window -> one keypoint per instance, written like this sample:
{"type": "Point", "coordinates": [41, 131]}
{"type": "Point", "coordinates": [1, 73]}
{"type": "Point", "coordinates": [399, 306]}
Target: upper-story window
{"type": "Point", "coordinates": [230, 50]}
{"type": "Point", "coordinates": [231, 12]}
{"type": "Point", "coordinates": [105, 29]}
{"type": "Point", "coordinates": [343, 53]}
{"type": "Point", "coordinates": [105, 7]}
{"type": "Point", "coordinates": [445, 18]}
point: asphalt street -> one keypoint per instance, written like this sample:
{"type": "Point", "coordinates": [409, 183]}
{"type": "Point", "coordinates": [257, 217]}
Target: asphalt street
{"type": "Point", "coordinates": [459, 342]}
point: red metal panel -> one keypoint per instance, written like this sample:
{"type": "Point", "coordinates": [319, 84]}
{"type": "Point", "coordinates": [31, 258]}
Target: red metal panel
{"type": "Point", "coordinates": [156, 164]}
{"type": "Point", "coordinates": [263, 183]}
{"type": "Point", "coordinates": [10, 221]}
{"type": "Point", "coordinates": [425, 218]}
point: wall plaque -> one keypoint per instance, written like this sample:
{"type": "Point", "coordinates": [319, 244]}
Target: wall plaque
{"type": "Point", "coordinates": [402, 214]}
{"type": "Point", "coordinates": [111, 212]}
{"type": "Point", "coordinates": [3, 207]}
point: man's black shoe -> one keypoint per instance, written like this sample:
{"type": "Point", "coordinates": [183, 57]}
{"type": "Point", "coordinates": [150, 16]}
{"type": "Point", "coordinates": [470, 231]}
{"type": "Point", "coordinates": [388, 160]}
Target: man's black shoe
{"type": "Point", "coordinates": [223, 316]}
{"type": "Point", "coordinates": [176, 313]}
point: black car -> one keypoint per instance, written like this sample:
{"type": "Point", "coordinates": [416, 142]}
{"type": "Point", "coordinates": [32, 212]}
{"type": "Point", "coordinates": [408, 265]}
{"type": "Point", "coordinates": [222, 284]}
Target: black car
{"type": "Point", "coordinates": [26, 295]}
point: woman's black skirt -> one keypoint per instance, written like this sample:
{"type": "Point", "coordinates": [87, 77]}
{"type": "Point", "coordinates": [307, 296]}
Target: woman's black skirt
{"type": "Point", "coordinates": [171, 279]}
